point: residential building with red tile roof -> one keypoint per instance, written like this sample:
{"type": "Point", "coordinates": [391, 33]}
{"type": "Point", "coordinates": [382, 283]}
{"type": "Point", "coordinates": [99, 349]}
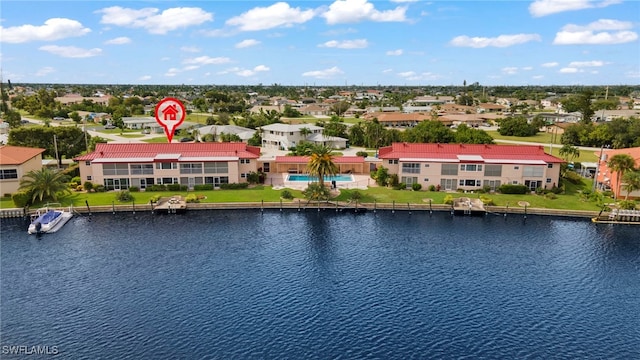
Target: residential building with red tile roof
{"type": "Point", "coordinates": [298, 164]}
{"type": "Point", "coordinates": [605, 178]}
{"type": "Point", "coordinates": [471, 166]}
{"type": "Point", "coordinates": [15, 161]}
{"type": "Point", "coordinates": [120, 166]}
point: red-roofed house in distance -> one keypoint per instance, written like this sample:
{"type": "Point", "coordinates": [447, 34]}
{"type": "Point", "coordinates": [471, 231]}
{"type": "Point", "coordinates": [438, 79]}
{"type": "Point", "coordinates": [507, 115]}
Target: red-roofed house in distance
{"type": "Point", "coordinates": [15, 161]}
{"type": "Point", "coordinates": [120, 166]}
{"type": "Point", "coordinates": [607, 179]}
{"type": "Point", "coordinates": [471, 166]}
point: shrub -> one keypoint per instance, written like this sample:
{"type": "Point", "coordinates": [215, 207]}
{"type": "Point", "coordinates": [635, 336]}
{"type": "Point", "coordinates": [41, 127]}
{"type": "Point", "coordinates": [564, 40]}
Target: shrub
{"type": "Point", "coordinates": [557, 190]}
{"type": "Point", "coordinates": [416, 187]}
{"type": "Point", "coordinates": [124, 196]}
{"type": "Point", "coordinates": [362, 153]}
{"type": "Point", "coordinates": [79, 188]}
{"type": "Point", "coordinates": [176, 187]}
{"type": "Point", "coordinates": [88, 185]}
{"type": "Point", "coordinates": [355, 195]}
{"type": "Point", "coordinates": [486, 189]}
{"type": "Point", "coordinates": [400, 186]}
{"type": "Point", "coordinates": [234, 186]}
{"type": "Point", "coordinates": [573, 177]}
{"type": "Point", "coordinates": [286, 194]}
{"type": "Point", "coordinates": [203, 187]}
{"type": "Point", "coordinates": [432, 188]}
{"type": "Point", "coordinates": [627, 205]}
{"type": "Point", "coordinates": [154, 199]}
{"type": "Point", "coordinates": [513, 189]}
{"type": "Point", "coordinates": [448, 199]}
{"type": "Point", "coordinates": [487, 201]}
{"type": "Point", "coordinates": [607, 193]}
{"type": "Point", "coordinates": [316, 192]}
{"type": "Point", "coordinates": [21, 198]}
{"type": "Point", "coordinates": [156, 187]}
{"type": "Point", "coordinates": [134, 189]}
{"type": "Point", "coordinates": [100, 188]}
{"type": "Point", "coordinates": [192, 198]}
{"type": "Point", "coordinates": [551, 196]}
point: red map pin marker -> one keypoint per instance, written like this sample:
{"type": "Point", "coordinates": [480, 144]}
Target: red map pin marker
{"type": "Point", "coordinates": [170, 113]}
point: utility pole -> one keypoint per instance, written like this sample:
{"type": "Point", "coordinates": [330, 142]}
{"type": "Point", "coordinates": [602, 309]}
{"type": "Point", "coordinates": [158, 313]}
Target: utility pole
{"type": "Point", "coordinates": [55, 147]}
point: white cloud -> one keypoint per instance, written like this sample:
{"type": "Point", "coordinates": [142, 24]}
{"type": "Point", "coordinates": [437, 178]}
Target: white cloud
{"type": "Point", "coordinates": [510, 70]}
{"type": "Point", "coordinates": [206, 60]}
{"type": "Point", "coordinates": [118, 41]}
{"type": "Point", "coordinates": [600, 32]}
{"type": "Point", "coordinates": [386, 71]}
{"type": "Point", "coordinates": [247, 43]}
{"type": "Point", "coordinates": [324, 74]}
{"type": "Point", "coordinates": [44, 71]}
{"type": "Point", "coordinates": [397, 52]}
{"type": "Point", "coordinates": [53, 29]}
{"type": "Point", "coordinates": [414, 76]}
{"type": "Point", "coordinates": [550, 64]}
{"type": "Point", "coordinates": [569, 70]}
{"type": "Point", "coordinates": [500, 41]}
{"type": "Point", "coordinates": [277, 15]}
{"type": "Point", "coordinates": [152, 20]}
{"type": "Point", "coordinates": [71, 51]}
{"type": "Point", "coordinates": [527, 68]}
{"type": "Point", "coordinates": [352, 11]}
{"type": "Point", "coordinates": [172, 72]}
{"type": "Point", "coordinates": [538, 77]}
{"type": "Point", "coordinates": [190, 49]}
{"type": "Point", "coordinates": [144, 77]}
{"type": "Point", "coordinates": [255, 70]}
{"type": "Point", "coordinates": [346, 44]}
{"type": "Point", "coordinates": [540, 8]}
{"type": "Point", "coordinates": [577, 64]}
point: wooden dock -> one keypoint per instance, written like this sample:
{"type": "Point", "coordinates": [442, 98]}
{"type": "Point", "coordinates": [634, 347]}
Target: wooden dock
{"type": "Point", "coordinates": [467, 206]}
{"type": "Point", "coordinates": [171, 205]}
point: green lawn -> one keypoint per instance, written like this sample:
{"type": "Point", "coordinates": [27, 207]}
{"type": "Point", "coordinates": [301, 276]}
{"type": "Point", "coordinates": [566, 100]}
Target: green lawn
{"type": "Point", "coordinates": [545, 138]}
{"type": "Point", "coordinates": [571, 200]}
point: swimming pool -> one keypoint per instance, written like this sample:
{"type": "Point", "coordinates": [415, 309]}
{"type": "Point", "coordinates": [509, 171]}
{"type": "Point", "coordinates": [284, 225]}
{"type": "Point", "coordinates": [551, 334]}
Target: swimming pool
{"type": "Point", "coordinates": [308, 178]}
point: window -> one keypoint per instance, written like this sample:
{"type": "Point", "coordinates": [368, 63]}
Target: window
{"type": "Point", "coordinates": [167, 180]}
{"type": "Point", "coordinates": [191, 168]}
{"type": "Point", "coordinates": [216, 168]}
{"type": "Point", "coordinates": [139, 169]}
{"type": "Point", "coordinates": [115, 169]}
{"type": "Point", "coordinates": [245, 161]}
{"type": "Point", "coordinates": [515, 182]}
{"type": "Point", "coordinates": [533, 171]}
{"type": "Point", "coordinates": [8, 174]}
{"type": "Point", "coordinates": [516, 167]}
{"type": "Point", "coordinates": [393, 161]}
{"type": "Point", "coordinates": [426, 165]}
{"type": "Point", "coordinates": [550, 166]}
{"type": "Point", "coordinates": [449, 169]}
{"type": "Point", "coordinates": [244, 175]}
{"type": "Point", "coordinates": [548, 180]}
{"type": "Point", "coordinates": [89, 178]}
{"type": "Point", "coordinates": [411, 168]}
{"type": "Point", "coordinates": [493, 170]}
{"type": "Point", "coordinates": [88, 163]}
{"type": "Point", "coordinates": [166, 166]}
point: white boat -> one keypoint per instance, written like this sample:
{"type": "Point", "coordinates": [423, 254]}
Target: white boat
{"type": "Point", "coordinates": [49, 219]}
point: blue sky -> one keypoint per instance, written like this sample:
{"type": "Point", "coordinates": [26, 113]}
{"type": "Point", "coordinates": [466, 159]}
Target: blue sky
{"type": "Point", "coordinates": [344, 42]}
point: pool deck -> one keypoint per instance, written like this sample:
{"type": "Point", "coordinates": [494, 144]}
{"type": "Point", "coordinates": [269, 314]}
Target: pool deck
{"type": "Point", "coordinates": [279, 181]}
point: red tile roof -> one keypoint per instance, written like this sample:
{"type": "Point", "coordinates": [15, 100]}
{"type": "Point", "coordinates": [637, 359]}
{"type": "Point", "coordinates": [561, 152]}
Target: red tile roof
{"type": "Point", "coordinates": [16, 155]}
{"type": "Point", "coordinates": [142, 150]}
{"type": "Point", "coordinates": [305, 159]}
{"type": "Point", "coordinates": [451, 152]}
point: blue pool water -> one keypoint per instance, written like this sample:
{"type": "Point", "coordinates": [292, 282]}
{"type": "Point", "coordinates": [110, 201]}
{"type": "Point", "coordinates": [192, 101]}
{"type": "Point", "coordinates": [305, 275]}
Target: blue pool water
{"type": "Point", "coordinates": [308, 178]}
{"type": "Point", "coordinates": [312, 284]}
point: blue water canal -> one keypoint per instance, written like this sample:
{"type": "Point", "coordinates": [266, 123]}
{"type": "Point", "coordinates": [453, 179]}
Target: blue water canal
{"type": "Point", "coordinates": [322, 285]}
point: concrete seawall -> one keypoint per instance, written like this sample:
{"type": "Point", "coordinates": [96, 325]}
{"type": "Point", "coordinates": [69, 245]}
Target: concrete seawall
{"type": "Point", "coordinates": [133, 208]}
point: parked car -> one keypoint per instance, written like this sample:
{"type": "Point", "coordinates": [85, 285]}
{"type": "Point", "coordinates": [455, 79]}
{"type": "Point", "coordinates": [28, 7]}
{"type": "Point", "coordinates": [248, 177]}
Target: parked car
{"type": "Point", "coordinates": [58, 118]}
{"type": "Point", "coordinates": [186, 139]}
{"type": "Point", "coordinates": [109, 126]}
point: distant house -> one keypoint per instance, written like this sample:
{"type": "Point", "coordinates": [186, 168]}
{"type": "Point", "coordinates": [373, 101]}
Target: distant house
{"type": "Point", "coordinates": [216, 130]}
{"type": "Point", "coordinates": [285, 136]}
{"type": "Point", "coordinates": [121, 166]}
{"type": "Point", "coordinates": [147, 122]}
{"type": "Point", "coordinates": [15, 162]}
{"type": "Point", "coordinates": [398, 119]}
{"type": "Point", "coordinates": [471, 167]}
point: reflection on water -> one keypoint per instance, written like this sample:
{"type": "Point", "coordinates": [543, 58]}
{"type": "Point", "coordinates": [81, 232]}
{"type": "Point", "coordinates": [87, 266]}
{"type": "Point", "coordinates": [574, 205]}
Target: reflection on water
{"type": "Point", "coordinates": [309, 284]}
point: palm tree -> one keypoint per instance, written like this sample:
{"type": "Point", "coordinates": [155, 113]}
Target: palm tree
{"type": "Point", "coordinates": [304, 132]}
{"type": "Point", "coordinates": [620, 164]}
{"type": "Point", "coordinates": [44, 184]}
{"type": "Point", "coordinates": [631, 182]}
{"type": "Point", "coordinates": [568, 152]}
{"type": "Point", "coordinates": [321, 163]}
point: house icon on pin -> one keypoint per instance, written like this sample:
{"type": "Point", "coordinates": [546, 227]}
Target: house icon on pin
{"type": "Point", "coordinates": [170, 112]}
